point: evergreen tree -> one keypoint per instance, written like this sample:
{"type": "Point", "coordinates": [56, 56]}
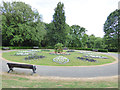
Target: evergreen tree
{"type": "Point", "coordinates": [59, 26]}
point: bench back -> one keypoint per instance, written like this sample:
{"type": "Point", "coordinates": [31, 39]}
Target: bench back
{"type": "Point", "coordinates": [11, 65]}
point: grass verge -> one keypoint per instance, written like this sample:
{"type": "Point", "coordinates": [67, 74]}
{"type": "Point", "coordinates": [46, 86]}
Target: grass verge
{"type": "Point", "coordinates": [35, 81]}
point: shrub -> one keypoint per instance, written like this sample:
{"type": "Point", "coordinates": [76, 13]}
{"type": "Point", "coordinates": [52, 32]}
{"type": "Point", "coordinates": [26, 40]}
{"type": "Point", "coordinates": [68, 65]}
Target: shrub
{"type": "Point", "coordinates": [102, 50]}
{"type": "Point", "coordinates": [113, 50]}
{"type": "Point", "coordinates": [59, 47]}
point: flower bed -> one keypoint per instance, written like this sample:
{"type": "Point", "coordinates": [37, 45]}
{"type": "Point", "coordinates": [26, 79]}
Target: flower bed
{"type": "Point", "coordinates": [70, 51]}
{"type": "Point", "coordinates": [63, 53]}
{"type": "Point", "coordinates": [34, 57]}
{"type": "Point", "coordinates": [26, 53]}
{"type": "Point", "coordinates": [45, 50]}
{"type": "Point", "coordinates": [86, 59]}
{"type": "Point", "coordinates": [61, 60]}
{"type": "Point", "coordinates": [95, 56]}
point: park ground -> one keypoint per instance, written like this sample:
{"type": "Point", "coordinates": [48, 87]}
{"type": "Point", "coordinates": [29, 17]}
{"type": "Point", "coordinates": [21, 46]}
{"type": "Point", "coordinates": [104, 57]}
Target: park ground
{"type": "Point", "coordinates": [16, 80]}
{"type": "Point", "coordinates": [20, 80]}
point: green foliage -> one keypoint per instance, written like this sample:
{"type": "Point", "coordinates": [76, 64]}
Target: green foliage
{"type": "Point", "coordinates": [21, 26]}
{"type": "Point", "coordinates": [20, 47]}
{"type": "Point", "coordinates": [111, 29]}
{"type": "Point", "coordinates": [59, 26]}
{"type": "Point", "coordinates": [75, 35]}
{"type": "Point", "coordinates": [59, 47]}
{"type": "Point", "coordinates": [102, 50]}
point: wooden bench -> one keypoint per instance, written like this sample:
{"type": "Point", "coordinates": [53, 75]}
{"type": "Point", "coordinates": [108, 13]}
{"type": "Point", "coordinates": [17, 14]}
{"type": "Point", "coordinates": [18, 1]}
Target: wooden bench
{"type": "Point", "coordinates": [5, 48]}
{"type": "Point", "coordinates": [95, 50]}
{"type": "Point", "coordinates": [16, 65]}
{"type": "Point", "coordinates": [35, 47]}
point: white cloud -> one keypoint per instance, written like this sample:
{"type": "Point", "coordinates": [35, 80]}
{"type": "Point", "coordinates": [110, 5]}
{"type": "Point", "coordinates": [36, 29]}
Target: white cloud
{"type": "Point", "coordinates": [90, 14]}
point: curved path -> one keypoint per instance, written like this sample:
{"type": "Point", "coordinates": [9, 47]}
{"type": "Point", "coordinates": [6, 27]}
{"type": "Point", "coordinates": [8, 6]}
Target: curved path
{"type": "Point", "coordinates": [77, 72]}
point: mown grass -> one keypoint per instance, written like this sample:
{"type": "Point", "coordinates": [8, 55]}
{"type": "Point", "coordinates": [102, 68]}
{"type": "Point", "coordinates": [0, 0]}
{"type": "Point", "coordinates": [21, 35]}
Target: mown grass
{"type": "Point", "coordinates": [48, 60]}
{"type": "Point", "coordinates": [20, 81]}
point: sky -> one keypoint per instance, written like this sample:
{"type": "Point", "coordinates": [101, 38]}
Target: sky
{"type": "Point", "coordinates": [90, 14]}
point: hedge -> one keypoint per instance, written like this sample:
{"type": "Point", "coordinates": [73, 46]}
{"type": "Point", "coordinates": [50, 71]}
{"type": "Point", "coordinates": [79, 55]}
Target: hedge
{"type": "Point", "coordinates": [102, 50]}
{"type": "Point", "coordinates": [18, 47]}
{"type": "Point", "coordinates": [50, 47]}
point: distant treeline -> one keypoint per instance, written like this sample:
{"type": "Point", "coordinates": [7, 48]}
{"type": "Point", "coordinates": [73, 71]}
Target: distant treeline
{"type": "Point", "coordinates": [22, 26]}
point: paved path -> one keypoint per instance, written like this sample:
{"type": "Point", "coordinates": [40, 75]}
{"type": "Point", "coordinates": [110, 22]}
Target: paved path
{"type": "Point", "coordinates": [95, 71]}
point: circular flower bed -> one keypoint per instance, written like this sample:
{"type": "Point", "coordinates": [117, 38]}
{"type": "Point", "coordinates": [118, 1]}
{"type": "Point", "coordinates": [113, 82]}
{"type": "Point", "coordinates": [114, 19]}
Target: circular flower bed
{"type": "Point", "coordinates": [61, 60]}
{"type": "Point", "coordinates": [63, 53]}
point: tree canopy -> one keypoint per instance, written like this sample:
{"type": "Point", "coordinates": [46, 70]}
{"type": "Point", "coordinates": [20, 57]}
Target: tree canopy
{"type": "Point", "coordinates": [111, 29]}
{"type": "Point", "coordinates": [21, 25]}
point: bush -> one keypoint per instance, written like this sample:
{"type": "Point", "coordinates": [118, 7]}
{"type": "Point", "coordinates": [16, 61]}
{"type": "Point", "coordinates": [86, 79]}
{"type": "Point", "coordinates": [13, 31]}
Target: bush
{"type": "Point", "coordinates": [59, 47]}
{"type": "Point", "coordinates": [79, 48]}
{"type": "Point", "coordinates": [113, 50]}
{"type": "Point", "coordinates": [102, 50]}
{"type": "Point", "coordinates": [19, 47]}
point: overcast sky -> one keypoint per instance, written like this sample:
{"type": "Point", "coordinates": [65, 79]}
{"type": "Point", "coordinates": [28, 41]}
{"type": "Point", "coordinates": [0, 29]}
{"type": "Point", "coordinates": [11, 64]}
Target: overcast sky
{"type": "Point", "coordinates": [90, 14]}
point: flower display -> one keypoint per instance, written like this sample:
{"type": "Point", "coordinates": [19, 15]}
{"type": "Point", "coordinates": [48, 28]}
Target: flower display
{"type": "Point", "coordinates": [24, 53]}
{"type": "Point", "coordinates": [63, 53]}
{"type": "Point", "coordinates": [61, 60]}
{"type": "Point", "coordinates": [34, 57]}
{"type": "Point", "coordinates": [96, 56]}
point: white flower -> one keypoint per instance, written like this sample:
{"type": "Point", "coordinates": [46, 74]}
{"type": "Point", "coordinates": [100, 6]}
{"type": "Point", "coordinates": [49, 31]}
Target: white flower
{"type": "Point", "coordinates": [61, 59]}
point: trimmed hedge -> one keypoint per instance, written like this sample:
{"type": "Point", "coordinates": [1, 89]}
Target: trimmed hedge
{"type": "Point", "coordinates": [76, 48]}
{"type": "Point", "coordinates": [19, 47]}
{"type": "Point", "coordinates": [113, 50]}
{"type": "Point", "coordinates": [102, 50]}
{"type": "Point", "coordinates": [88, 49]}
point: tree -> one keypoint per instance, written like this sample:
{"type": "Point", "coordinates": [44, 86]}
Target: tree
{"type": "Point", "coordinates": [99, 43]}
{"type": "Point", "coordinates": [75, 35]}
{"type": "Point", "coordinates": [91, 41]}
{"type": "Point", "coordinates": [111, 29]}
{"type": "Point", "coordinates": [21, 25]}
{"type": "Point", "coordinates": [59, 26]}
{"type": "Point", "coordinates": [84, 41]}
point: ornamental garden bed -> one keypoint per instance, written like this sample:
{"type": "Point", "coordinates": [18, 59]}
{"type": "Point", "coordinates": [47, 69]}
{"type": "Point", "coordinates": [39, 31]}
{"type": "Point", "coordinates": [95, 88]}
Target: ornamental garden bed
{"type": "Point", "coordinates": [48, 58]}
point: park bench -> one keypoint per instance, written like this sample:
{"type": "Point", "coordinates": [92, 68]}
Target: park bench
{"type": "Point", "coordinates": [16, 65]}
{"type": "Point", "coordinates": [35, 47]}
{"type": "Point", "coordinates": [5, 48]}
{"type": "Point", "coordinates": [95, 50]}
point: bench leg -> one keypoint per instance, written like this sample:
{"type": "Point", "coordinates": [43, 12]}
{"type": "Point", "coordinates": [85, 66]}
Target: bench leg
{"type": "Point", "coordinates": [10, 70]}
{"type": "Point", "coordinates": [34, 69]}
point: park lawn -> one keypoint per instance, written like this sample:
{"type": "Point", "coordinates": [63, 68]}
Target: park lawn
{"type": "Point", "coordinates": [35, 81]}
{"type": "Point", "coordinates": [48, 60]}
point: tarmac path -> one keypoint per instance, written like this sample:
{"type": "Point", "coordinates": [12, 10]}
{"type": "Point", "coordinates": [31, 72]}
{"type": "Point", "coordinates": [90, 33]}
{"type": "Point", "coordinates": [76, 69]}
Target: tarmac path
{"type": "Point", "coordinates": [69, 71]}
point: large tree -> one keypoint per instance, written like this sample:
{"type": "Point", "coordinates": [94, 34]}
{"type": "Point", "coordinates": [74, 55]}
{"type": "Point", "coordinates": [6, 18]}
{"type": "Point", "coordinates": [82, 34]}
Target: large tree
{"type": "Point", "coordinates": [21, 25]}
{"type": "Point", "coordinates": [75, 36]}
{"type": "Point", "coordinates": [59, 26]}
{"type": "Point", "coordinates": [111, 29]}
